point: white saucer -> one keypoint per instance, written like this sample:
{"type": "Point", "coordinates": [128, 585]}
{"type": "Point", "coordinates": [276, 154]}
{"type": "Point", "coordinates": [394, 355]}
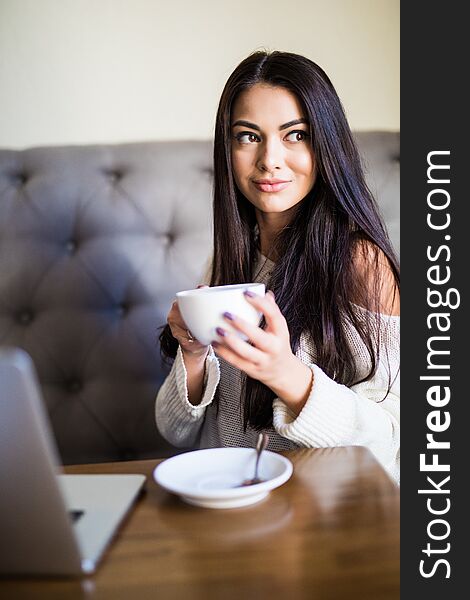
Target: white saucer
{"type": "Point", "coordinates": [210, 477]}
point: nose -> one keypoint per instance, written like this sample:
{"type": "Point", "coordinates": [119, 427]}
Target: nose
{"type": "Point", "coordinates": [270, 155]}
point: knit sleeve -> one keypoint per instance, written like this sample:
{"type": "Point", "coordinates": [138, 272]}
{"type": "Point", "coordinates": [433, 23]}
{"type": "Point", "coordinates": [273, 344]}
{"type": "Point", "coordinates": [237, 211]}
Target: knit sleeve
{"type": "Point", "coordinates": [177, 419]}
{"type": "Point", "coordinates": [366, 414]}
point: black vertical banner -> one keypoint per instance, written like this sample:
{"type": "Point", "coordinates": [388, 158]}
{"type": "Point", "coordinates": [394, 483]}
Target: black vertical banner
{"type": "Point", "coordinates": [435, 262]}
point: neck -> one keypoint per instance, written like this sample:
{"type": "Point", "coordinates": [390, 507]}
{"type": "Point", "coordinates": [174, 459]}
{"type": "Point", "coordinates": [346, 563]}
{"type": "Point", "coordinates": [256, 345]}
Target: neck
{"type": "Point", "coordinates": [270, 225]}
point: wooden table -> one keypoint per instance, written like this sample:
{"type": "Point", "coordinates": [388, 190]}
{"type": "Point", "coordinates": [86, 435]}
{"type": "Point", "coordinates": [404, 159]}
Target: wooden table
{"type": "Point", "coordinates": [331, 532]}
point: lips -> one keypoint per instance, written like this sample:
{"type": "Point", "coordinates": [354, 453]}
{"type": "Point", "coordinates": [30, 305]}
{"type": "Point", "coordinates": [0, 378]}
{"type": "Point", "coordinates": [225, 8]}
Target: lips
{"type": "Point", "coordinates": [271, 185]}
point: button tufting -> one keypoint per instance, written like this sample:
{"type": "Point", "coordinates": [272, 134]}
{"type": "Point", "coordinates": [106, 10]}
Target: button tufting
{"type": "Point", "coordinates": [71, 246]}
{"type": "Point", "coordinates": [122, 309]}
{"type": "Point", "coordinates": [73, 386]}
{"type": "Point", "coordinates": [113, 175]}
{"type": "Point", "coordinates": [20, 179]}
{"type": "Point", "coordinates": [25, 317]}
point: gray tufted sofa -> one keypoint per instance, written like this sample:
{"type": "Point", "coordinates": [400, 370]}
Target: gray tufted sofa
{"type": "Point", "coordinates": [94, 243]}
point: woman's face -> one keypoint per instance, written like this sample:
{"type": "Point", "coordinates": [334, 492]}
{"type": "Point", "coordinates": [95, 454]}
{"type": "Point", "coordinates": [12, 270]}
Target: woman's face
{"type": "Point", "coordinates": [272, 157]}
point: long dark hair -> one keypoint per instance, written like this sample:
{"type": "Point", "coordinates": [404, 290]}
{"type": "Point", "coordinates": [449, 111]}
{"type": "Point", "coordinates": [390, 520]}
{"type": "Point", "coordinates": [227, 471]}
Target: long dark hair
{"type": "Point", "coordinates": [315, 279]}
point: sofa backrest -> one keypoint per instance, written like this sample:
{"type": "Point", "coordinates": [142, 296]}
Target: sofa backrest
{"type": "Point", "coordinates": [94, 243]}
{"type": "Point", "coordinates": [380, 151]}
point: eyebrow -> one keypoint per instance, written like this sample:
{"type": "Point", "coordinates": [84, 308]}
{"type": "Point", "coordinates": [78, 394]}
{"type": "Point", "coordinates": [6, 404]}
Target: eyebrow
{"type": "Point", "coordinates": [281, 127]}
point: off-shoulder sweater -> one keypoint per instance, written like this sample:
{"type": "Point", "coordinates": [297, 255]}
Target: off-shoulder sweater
{"type": "Point", "coordinates": [366, 414]}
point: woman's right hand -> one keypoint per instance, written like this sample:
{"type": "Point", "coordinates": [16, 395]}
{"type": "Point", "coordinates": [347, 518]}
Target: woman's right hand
{"type": "Point", "coordinates": [179, 330]}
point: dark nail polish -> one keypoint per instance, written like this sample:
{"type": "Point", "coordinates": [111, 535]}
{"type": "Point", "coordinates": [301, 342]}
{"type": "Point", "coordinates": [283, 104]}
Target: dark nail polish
{"type": "Point", "coordinates": [220, 331]}
{"type": "Point", "coordinates": [229, 316]}
{"type": "Point", "coordinates": [215, 344]}
{"type": "Point", "coordinates": [249, 293]}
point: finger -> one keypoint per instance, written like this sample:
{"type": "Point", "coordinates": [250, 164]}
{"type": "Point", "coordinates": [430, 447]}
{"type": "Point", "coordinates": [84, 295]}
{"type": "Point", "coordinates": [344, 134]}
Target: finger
{"type": "Point", "coordinates": [268, 307]}
{"type": "Point", "coordinates": [202, 285]}
{"type": "Point", "coordinates": [174, 316]}
{"type": "Point", "coordinates": [187, 342]}
{"type": "Point", "coordinates": [234, 359]}
{"type": "Point", "coordinates": [174, 310]}
{"type": "Point", "coordinates": [239, 347]}
{"type": "Point", "coordinates": [180, 333]}
{"type": "Point", "coordinates": [255, 334]}
{"type": "Point", "coordinates": [175, 320]}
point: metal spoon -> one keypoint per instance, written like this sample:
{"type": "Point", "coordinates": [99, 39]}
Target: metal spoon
{"type": "Point", "coordinates": [261, 444]}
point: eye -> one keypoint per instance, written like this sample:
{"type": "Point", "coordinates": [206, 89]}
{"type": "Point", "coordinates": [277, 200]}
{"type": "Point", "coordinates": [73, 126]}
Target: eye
{"type": "Point", "coordinates": [298, 135]}
{"type": "Point", "coordinates": [246, 137]}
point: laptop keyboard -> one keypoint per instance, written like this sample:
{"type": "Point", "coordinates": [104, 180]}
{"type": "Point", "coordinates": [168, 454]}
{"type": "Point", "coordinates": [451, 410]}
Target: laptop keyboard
{"type": "Point", "coordinates": [75, 515]}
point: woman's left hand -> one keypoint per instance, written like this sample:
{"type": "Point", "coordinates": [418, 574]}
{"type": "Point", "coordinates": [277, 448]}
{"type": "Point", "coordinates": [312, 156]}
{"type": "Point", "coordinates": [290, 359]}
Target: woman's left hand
{"type": "Point", "coordinates": [268, 357]}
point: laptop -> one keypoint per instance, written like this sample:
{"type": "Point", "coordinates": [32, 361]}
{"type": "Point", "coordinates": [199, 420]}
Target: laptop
{"type": "Point", "coordinates": [50, 523]}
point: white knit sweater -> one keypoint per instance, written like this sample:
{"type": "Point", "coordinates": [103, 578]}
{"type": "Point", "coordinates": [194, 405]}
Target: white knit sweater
{"type": "Point", "coordinates": [334, 415]}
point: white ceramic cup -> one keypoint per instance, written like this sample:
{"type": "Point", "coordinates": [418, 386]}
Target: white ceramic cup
{"type": "Point", "coordinates": [202, 309]}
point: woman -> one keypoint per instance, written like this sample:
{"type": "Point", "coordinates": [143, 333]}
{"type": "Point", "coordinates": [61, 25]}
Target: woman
{"type": "Point", "coordinates": [291, 209]}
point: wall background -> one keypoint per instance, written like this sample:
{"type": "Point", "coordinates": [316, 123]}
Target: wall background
{"type": "Point", "coordinates": [99, 71]}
